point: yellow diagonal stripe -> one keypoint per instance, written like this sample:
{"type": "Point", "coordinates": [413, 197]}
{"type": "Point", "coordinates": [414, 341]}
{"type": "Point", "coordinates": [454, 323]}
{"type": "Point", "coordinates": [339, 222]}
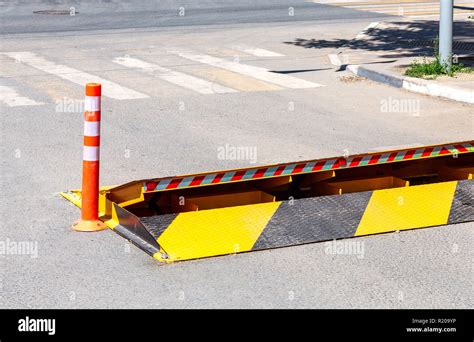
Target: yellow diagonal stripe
{"type": "Point", "coordinates": [407, 208]}
{"type": "Point", "coordinates": [206, 233]}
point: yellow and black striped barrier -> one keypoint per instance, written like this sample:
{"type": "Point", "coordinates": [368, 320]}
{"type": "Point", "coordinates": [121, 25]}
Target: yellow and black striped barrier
{"type": "Point", "coordinates": [390, 191]}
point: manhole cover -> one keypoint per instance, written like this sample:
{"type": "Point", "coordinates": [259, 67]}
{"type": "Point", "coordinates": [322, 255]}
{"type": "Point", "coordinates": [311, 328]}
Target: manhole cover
{"type": "Point", "coordinates": [55, 12]}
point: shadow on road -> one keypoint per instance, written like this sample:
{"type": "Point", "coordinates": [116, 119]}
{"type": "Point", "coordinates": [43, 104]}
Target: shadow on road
{"type": "Point", "coordinates": [401, 39]}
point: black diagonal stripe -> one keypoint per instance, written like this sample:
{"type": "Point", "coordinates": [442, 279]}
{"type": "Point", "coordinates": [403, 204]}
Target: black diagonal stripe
{"type": "Point", "coordinates": [462, 208]}
{"type": "Point", "coordinates": [314, 219]}
{"type": "Point", "coordinates": [156, 225]}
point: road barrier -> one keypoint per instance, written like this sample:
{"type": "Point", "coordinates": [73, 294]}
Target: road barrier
{"type": "Point", "coordinates": [226, 212]}
{"type": "Point", "coordinates": [90, 162]}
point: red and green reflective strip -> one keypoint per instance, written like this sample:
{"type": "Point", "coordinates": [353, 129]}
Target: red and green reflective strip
{"type": "Point", "coordinates": [305, 167]}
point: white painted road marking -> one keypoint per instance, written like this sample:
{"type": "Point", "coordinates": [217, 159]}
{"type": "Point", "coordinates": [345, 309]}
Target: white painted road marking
{"type": "Point", "coordinates": [11, 98]}
{"type": "Point", "coordinates": [91, 128]}
{"type": "Point", "coordinates": [367, 30]}
{"type": "Point", "coordinates": [91, 153]}
{"type": "Point", "coordinates": [109, 89]}
{"type": "Point", "coordinates": [256, 51]}
{"type": "Point", "coordinates": [249, 70]}
{"type": "Point", "coordinates": [186, 81]}
{"type": "Point", "coordinates": [92, 104]}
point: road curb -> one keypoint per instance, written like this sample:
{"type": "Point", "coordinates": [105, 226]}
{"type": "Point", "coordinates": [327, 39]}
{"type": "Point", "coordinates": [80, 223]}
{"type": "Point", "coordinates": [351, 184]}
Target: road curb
{"type": "Point", "coordinates": [420, 86]}
{"type": "Point", "coordinates": [334, 57]}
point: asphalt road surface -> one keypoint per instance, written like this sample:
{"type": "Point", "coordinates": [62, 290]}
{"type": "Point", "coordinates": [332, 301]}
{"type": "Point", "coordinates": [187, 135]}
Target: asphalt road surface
{"type": "Point", "coordinates": [168, 105]}
{"type": "Point", "coordinates": [19, 17]}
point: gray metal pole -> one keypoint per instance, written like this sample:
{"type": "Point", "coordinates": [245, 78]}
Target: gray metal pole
{"type": "Point", "coordinates": [446, 33]}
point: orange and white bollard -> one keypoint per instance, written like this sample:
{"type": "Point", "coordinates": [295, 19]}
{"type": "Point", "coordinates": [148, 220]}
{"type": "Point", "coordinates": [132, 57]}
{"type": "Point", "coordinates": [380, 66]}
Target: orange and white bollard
{"type": "Point", "coordinates": [89, 221]}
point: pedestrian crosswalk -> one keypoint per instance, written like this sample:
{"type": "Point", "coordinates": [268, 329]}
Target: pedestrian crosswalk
{"type": "Point", "coordinates": [406, 8]}
{"type": "Point", "coordinates": [202, 73]}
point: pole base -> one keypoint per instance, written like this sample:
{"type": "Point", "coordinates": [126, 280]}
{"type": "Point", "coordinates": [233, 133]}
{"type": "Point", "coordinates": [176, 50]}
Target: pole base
{"type": "Point", "coordinates": [89, 226]}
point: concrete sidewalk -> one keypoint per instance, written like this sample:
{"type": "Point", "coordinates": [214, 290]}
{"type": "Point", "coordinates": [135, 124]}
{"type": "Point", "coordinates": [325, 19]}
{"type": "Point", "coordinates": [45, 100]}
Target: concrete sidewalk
{"type": "Point", "coordinates": [383, 52]}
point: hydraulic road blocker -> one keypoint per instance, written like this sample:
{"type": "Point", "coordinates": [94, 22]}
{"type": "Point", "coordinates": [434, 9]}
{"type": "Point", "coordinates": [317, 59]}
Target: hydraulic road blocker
{"type": "Point", "coordinates": [226, 212]}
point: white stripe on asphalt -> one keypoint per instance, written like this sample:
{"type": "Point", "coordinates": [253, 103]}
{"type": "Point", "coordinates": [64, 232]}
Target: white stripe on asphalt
{"type": "Point", "coordinates": [92, 104]}
{"type": "Point", "coordinates": [256, 51]}
{"type": "Point", "coordinates": [11, 98]}
{"type": "Point", "coordinates": [183, 80]}
{"type": "Point", "coordinates": [365, 31]}
{"type": "Point", "coordinates": [109, 89]}
{"type": "Point", "coordinates": [248, 70]}
{"type": "Point", "coordinates": [91, 128]}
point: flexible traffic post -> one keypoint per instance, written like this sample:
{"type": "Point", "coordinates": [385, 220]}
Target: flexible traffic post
{"type": "Point", "coordinates": [89, 221]}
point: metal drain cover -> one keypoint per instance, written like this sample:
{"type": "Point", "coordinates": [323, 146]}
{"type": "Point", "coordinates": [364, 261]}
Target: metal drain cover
{"type": "Point", "coordinates": [55, 12]}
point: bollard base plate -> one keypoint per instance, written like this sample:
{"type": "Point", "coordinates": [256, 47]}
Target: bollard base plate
{"type": "Point", "coordinates": [89, 225]}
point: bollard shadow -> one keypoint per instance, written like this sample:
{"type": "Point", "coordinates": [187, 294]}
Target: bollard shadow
{"type": "Point", "coordinates": [400, 39]}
